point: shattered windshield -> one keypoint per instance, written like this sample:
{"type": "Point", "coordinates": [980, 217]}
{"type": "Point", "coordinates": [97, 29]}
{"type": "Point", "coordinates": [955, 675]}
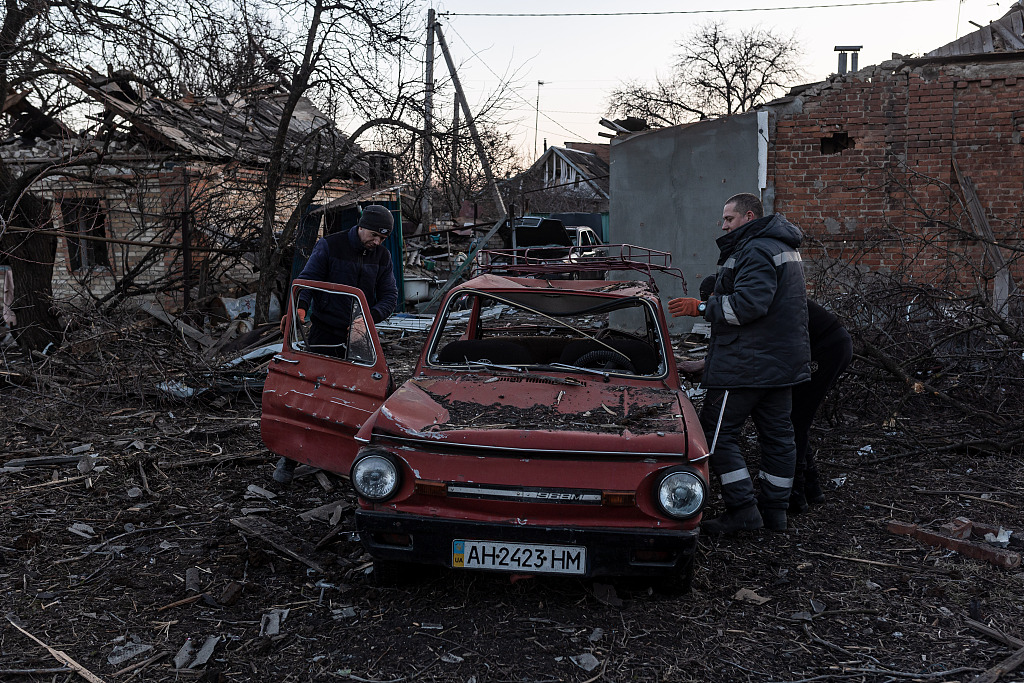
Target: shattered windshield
{"type": "Point", "coordinates": [553, 330]}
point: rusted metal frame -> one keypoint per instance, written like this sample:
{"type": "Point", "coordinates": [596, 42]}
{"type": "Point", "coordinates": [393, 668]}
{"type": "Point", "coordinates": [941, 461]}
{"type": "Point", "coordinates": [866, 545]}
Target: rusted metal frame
{"type": "Point", "coordinates": [631, 258]}
{"type": "Point", "coordinates": [497, 297]}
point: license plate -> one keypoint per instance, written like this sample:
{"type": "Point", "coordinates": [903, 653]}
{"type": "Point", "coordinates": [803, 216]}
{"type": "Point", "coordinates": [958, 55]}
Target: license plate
{"type": "Point", "coordinates": [519, 557]}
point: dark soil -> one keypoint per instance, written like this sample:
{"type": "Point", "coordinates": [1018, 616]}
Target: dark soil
{"type": "Point", "coordinates": [836, 597]}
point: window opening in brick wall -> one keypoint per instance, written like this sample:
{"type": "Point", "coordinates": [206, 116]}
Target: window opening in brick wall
{"type": "Point", "coordinates": [836, 143]}
{"type": "Point", "coordinates": [85, 217]}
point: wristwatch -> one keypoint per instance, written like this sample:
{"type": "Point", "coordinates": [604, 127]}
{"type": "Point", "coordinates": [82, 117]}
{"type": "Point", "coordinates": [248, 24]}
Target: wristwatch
{"type": "Point", "coordinates": [701, 307]}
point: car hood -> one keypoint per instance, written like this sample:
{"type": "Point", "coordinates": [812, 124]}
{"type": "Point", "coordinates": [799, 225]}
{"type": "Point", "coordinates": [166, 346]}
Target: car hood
{"type": "Point", "coordinates": [535, 412]}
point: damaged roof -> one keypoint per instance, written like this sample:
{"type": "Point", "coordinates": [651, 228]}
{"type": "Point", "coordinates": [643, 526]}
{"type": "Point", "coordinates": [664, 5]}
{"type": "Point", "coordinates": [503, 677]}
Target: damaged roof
{"type": "Point", "coordinates": [591, 168]}
{"type": "Point", "coordinates": [1005, 34]}
{"type": "Point", "coordinates": [241, 126]}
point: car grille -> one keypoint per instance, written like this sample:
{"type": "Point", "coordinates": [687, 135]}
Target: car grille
{"type": "Point", "coordinates": [525, 494]}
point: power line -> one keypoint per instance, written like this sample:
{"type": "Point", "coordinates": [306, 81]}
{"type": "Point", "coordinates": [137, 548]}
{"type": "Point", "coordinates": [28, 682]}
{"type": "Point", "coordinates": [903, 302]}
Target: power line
{"type": "Point", "coordinates": [693, 11]}
{"type": "Point", "coordinates": [513, 90]}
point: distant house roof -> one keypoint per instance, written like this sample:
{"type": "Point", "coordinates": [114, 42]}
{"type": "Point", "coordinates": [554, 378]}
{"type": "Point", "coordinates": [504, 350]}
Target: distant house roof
{"type": "Point", "coordinates": [1002, 35]}
{"type": "Point", "coordinates": [590, 169]}
{"type": "Point", "coordinates": [239, 126]}
{"type": "Point", "coordinates": [359, 196]}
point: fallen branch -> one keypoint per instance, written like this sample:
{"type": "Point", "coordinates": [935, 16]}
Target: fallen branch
{"type": "Point", "coordinates": [994, 633]}
{"type": "Point", "coordinates": [143, 664]}
{"type": "Point", "coordinates": [61, 657]}
{"type": "Point", "coordinates": [904, 567]}
{"type": "Point", "coordinates": [894, 368]}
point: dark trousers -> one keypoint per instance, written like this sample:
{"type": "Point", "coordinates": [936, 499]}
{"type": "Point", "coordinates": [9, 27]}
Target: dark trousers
{"type": "Point", "coordinates": [831, 356]}
{"type": "Point", "coordinates": [770, 410]}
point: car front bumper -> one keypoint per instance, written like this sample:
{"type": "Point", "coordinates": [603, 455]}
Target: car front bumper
{"type": "Point", "coordinates": [394, 537]}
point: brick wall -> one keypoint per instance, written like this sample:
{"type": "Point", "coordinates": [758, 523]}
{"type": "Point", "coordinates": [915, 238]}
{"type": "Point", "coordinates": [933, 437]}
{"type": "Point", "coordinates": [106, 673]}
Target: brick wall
{"type": "Point", "coordinates": [146, 207]}
{"type": "Point", "coordinates": [865, 165]}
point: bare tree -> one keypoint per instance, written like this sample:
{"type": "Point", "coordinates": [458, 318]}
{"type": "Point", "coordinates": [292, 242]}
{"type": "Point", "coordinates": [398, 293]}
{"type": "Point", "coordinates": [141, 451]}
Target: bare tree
{"type": "Point", "coordinates": [345, 61]}
{"type": "Point", "coordinates": [351, 61]}
{"type": "Point", "coordinates": [716, 73]}
{"type": "Point", "coordinates": [35, 35]}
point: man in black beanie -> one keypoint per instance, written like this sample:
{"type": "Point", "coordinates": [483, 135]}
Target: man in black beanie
{"type": "Point", "coordinates": [356, 258]}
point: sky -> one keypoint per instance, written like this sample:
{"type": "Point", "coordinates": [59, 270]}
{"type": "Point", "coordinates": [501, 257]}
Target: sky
{"type": "Point", "coordinates": [581, 59]}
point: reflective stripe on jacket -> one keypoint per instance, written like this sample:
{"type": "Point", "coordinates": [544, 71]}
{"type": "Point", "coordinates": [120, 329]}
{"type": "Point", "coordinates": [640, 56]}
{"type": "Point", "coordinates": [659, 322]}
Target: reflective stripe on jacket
{"type": "Point", "coordinates": [758, 312]}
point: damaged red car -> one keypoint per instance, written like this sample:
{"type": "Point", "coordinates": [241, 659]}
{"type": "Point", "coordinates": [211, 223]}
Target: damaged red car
{"type": "Point", "coordinates": [544, 429]}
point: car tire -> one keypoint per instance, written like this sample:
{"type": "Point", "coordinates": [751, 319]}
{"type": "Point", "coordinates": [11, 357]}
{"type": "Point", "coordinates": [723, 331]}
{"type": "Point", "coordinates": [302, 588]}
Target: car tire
{"type": "Point", "coordinates": [678, 583]}
{"type": "Point", "coordinates": [389, 574]}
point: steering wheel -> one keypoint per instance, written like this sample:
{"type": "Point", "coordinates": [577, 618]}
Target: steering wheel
{"type": "Point", "coordinates": [604, 359]}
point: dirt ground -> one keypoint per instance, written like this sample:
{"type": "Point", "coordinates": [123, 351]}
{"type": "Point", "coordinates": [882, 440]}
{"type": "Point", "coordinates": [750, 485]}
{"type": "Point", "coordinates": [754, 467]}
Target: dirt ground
{"type": "Point", "coordinates": [110, 573]}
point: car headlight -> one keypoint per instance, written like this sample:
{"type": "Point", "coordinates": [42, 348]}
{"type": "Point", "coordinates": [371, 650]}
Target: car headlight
{"type": "Point", "coordinates": [681, 493]}
{"type": "Point", "coordinates": [376, 476]}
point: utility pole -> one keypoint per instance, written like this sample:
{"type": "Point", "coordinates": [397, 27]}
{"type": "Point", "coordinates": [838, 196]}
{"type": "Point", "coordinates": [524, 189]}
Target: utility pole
{"type": "Point", "coordinates": [460, 93]}
{"type": "Point", "coordinates": [481, 153]}
{"type": "Point", "coordinates": [428, 125]}
{"type": "Point", "coordinates": [536, 120]}
{"type": "Point", "coordinates": [455, 159]}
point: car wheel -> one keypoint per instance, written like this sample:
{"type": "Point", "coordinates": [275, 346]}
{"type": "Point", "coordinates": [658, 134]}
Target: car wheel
{"type": "Point", "coordinates": [390, 574]}
{"type": "Point", "coordinates": [679, 583]}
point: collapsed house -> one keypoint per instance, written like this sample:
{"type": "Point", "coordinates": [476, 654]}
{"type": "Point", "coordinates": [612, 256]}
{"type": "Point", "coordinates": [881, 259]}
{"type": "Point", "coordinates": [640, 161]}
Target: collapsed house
{"type": "Point", "coordinates": [573, 178]}
{"type": "Point", "coordinates": [167, 196]}
{"type": "Point", "coordinates": [910, 167]}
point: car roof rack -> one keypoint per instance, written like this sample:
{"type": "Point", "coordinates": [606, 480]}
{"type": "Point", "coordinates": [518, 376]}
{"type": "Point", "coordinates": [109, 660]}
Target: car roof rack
{"type": "Point", "coordinates": [541, 261]}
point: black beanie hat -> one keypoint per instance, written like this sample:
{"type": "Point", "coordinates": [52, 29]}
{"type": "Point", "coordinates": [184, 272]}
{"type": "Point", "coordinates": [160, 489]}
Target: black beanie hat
{"type": "Point", "coordinates": [377, 218]}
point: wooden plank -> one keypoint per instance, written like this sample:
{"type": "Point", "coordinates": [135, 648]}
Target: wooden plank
{"type": "Point", "coordinates": [1006, 666]}
{"type": "Point", "coordinates": [277, 537]}
{"type": "Point", "coordinates": [184, 328]}
{"type": "Point", "coordinates": [1013, 42]}
{"type": "Point", "coordinates": [986, 40]}
{"type": "Point", "coordinates": [975, 46]}
{"type": "Point", "coordinates": [324, 512]}
{"type": "Point", "coordinates": [44, 460]}
{"type": "Point", "coordinates": [1002, 285]}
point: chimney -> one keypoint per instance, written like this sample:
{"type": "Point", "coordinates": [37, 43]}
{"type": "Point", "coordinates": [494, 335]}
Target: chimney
{"type": "Point", "coordinates": [854, 51]}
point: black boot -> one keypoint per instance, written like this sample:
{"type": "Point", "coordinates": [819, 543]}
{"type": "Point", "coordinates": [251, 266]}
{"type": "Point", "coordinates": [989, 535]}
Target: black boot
{"type": "Point", "coordinates": [797, 501]}
{"type": "Point", "coordinates": [774, 519]}
{"type": "Point", "coordinates": [812, 489]}
{"type": "Point", "coordinates": [733, 520]}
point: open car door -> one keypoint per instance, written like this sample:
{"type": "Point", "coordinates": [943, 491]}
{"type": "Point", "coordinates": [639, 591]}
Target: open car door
{"type": "Point", "coordinates": [329, 378]}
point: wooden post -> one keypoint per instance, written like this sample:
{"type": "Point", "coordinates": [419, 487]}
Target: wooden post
{"type": "Point", "coordinates": [469, 120]}
{"type": "Point", "coordinates": [428, 126]}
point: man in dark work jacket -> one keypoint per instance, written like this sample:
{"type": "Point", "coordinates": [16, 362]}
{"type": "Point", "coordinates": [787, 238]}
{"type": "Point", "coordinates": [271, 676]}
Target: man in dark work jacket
{"type": "Point", "coordinates": [356, 258]}
{"type": "Point", "coordinates": [759, 350]}
{"type": "Point", "coordinates": [831, 353]}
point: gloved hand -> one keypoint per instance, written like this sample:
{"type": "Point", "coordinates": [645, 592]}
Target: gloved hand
{"type": "Point", "coordinates": [301, 313]}
{"type": "Point", "coordinates": [683, 306]}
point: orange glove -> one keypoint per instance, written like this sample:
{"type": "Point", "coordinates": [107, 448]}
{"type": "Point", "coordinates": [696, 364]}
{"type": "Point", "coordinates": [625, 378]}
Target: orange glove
{"type": "Point", "coordinates": [683, 306]}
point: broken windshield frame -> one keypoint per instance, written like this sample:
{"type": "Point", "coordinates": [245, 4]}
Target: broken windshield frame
{"type": "Point", "coordinates": [443, 336]}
